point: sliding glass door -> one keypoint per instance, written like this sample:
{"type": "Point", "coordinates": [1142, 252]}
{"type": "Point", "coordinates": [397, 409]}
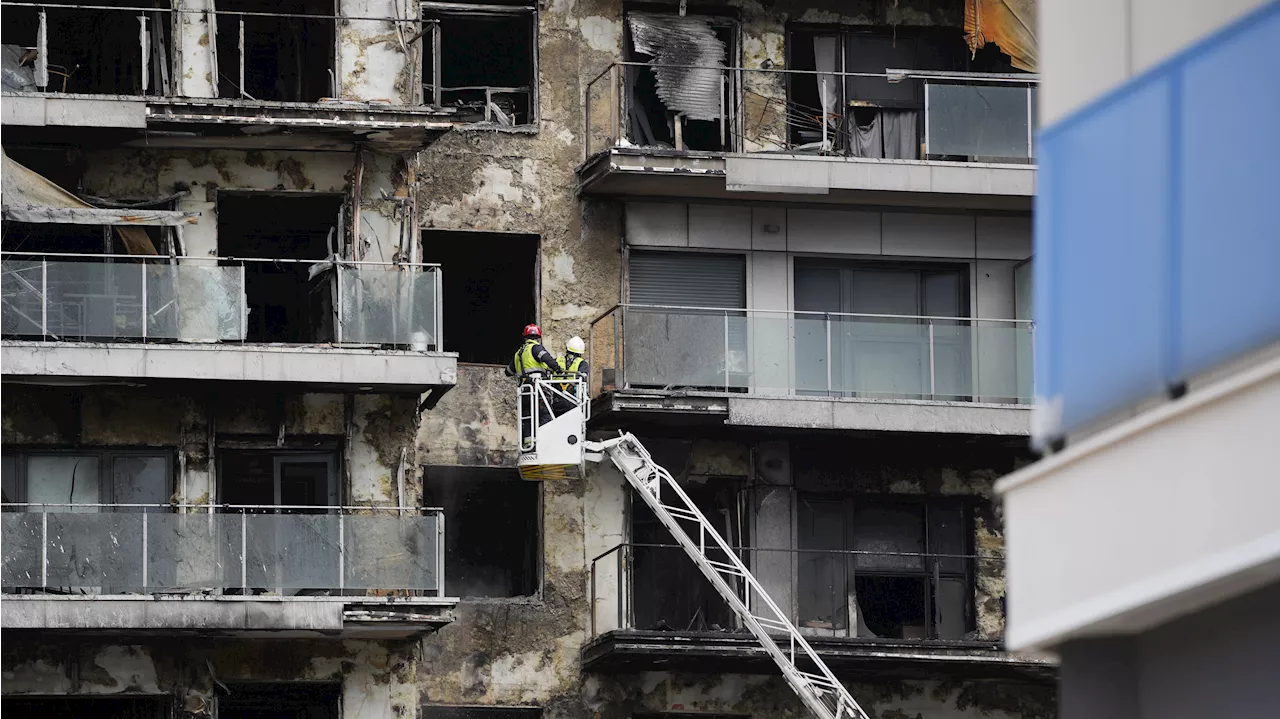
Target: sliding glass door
{"type": "Point", "coordinates": [861, 329]}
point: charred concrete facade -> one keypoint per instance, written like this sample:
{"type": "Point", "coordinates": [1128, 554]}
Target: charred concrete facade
{"type": "Point", "coordinates": [417, 159]}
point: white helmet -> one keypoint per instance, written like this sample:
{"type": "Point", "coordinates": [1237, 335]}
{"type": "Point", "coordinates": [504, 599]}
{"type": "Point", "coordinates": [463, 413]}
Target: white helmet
{"type": "Point", "coordinates": [576, 345]}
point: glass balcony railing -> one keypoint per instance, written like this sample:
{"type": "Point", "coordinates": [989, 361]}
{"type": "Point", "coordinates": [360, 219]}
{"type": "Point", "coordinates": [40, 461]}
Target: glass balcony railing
{"type": "Point", "coordinates": [123, 298]}
{"type": "Point", "coordinates": [127, 549]}
{"type": "Point", "coordinates": [824, 592]}
{"type": "Point", "coordinates": [767, 352]}
{"type": "Point", "coordinates": [896, 114]}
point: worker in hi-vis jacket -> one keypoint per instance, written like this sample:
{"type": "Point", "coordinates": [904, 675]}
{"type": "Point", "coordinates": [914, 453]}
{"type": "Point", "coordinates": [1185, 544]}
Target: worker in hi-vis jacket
{"type": "Point", "coordinates": [530, 361]}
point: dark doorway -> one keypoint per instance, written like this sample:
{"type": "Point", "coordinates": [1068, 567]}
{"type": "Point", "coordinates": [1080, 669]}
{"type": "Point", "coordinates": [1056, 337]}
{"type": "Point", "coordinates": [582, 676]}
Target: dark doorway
{"type": "Point", "coordinates": [71, 707]}
{"type": "Point", "coordinates": [281, 700]}
{"type": "Point", "coordinates": [285, 303]}
{"type": "Point", "coordinates": [287, 59]}
{"type": "Point", "coordinates": [489, 295]}
{"type": "Point", "coordinates": [492, 540]}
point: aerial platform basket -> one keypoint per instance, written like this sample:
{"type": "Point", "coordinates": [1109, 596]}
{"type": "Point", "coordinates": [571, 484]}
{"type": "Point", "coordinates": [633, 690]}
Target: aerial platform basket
{"type": "Point", "coordinates": [553, 427]}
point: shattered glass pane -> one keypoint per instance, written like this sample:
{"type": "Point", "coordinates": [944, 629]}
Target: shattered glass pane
{"type": "Point", "coordinates": [892, 534]}
{"type": "Point", "coordinates": [195, 302]}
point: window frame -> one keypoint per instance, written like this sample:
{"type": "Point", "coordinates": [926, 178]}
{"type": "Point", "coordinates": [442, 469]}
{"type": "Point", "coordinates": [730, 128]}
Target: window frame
{"type": "Point", "coordinates": [429, 40]}
{"type": "Point", "coordinates": [932, 572]}
{"type": "Point", "coordinates": [105, 457]}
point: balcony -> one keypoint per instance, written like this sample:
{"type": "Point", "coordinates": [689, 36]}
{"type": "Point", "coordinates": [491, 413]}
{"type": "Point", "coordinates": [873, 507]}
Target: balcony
{"type": "Point", "coordinates": [890, 614]}
{"type": "Point", "coordinates": [351, 571]}
{"type": "Point", "coordinates": [811, 370]}
{"type": "Point", "coordinates": [246, 67]}
{"type": "Point", "coordinates": [350, 325]}
{"type": "Point", "coordinates": [971, 143]}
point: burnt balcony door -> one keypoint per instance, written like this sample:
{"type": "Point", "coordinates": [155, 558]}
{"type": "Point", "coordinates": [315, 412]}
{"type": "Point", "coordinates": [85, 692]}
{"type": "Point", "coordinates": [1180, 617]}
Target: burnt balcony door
{"type": "Point", "coordinates": [290, 536]}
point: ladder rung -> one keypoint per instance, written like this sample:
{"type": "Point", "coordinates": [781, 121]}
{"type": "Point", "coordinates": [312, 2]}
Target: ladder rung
{"type": "Point", "coordinates": [725, 567]}
{"type": "Point", "coordinates": [683, 513]}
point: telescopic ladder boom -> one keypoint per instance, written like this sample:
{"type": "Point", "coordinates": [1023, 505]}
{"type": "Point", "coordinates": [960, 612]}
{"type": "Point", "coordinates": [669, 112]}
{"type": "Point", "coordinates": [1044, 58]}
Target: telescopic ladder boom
{"type": "Point", "coordinates": [812, 681]}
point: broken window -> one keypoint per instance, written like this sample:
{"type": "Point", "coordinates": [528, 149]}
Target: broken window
{"type": "Point", "coordinates": [481, 61]}
{"type": "Point", "coordinates": [490, 290]}
{"type": "Point", "coordinates": [884, 568]}
{"type": "Point", "coordinates": [857, 115]}
{"type": "Point", "coordinates": [492, 541]}
{"type": "Point", "coordinates": [669, 593]}
{"type": "Point", "coordinates": [88, 50]}
{"type": "Point", "coordinates": [280, 700]}
{"type": "Point", "coordinates": [87, 707]}
{"type": "Point", "coordinates": [686, 100]}
{"type": "Point", "coordinates": [88, 478]}
{"type": "Point", "coordinates": [286, 303]}
{"type": "Point", "coordinates": [435, 711]}
{"type": "Point", "coordinates": [272, 50]}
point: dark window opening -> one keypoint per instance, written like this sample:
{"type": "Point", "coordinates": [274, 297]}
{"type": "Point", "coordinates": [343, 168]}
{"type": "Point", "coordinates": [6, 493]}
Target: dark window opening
{"type": "Point", "coordinates": [492, 543]}
{"type": "Point", "coordinates": [287, 59]}
{"type": "Point", "coordinates": [91, 51]}
{"type": "Point", "coordinates": [298, 480]}
{"type": "Point", "coordinates": [280, 700]}
{"type": "Point", "coordinates": [77, 707]}
{"type": "Point", "coordinates": [884, 568]}
{"type": "Point", "coordinates": [481, 64]}
{"type": "Point", "coordinates": [431, 711]}
{"type": "Point", "coordinates": [685, 108]}
{"type": "Point", "coordinates": [285, 303]}
{"type": "Point", "coordinates": [668, 591]}
{"type": "Point", "coordinates": [864, 116]}
{"type": "Point", "coordinates": [489, 291]}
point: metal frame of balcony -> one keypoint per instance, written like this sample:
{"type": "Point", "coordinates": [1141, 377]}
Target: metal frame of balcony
{"type": "Point", "coordinates": [164, 322]}
{"type": "Point", "coordinates": [744, 367]}
{"type": "Point", "coordinates": [773, 167]}
{"type": "Point", "coordinates": [620, 647]}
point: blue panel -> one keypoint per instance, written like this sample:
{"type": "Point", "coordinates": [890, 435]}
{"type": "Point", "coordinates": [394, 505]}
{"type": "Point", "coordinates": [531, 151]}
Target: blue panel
{"type": "Point", "coordinates": [1230, 197]}
{"type": "Point", "coordinates": [1110, 221]}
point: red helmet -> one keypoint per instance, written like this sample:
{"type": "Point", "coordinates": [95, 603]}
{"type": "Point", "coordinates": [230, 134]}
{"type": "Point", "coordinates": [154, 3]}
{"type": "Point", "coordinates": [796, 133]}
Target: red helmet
{"type": "Point", "coordinates": [533, 331]}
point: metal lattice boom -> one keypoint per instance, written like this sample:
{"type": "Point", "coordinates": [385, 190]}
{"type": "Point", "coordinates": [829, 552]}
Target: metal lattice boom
{"type": "Point", "coordinates": [816, 686]}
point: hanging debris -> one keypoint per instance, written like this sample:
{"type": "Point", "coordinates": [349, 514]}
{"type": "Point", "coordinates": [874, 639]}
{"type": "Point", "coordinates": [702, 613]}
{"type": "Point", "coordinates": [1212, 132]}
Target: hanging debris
{"type": "Point", "coordinates": [693, 87]}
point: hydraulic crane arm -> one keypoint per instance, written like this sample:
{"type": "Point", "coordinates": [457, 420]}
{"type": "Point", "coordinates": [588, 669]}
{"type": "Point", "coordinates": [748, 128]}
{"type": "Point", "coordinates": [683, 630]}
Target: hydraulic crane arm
{"type": "Point", "coordinates": [807, 674]}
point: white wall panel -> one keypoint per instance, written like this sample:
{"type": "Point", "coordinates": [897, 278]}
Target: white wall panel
{"type": "Point", "coordinates": [724, 227]}
{"type": "Point", "coordinates": [833, 231]}
{"type": "Point", "coordinates": [928, 235]}
{"type": "Point", "coordinates": [657, 224]}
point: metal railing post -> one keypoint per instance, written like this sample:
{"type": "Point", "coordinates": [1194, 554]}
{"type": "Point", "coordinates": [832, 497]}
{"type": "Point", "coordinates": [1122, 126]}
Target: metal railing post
{"type": "Point", "coordinates": [44, 549]}
{"type": "Point", "coordinates": [244, 549]}
{"type": "Point", "coordinates": [615, 109]}
{"type": "Point", "coordinates": [933, 389]}
{"type": "Point", "coordinates": [440, 553]}
{"type": "Point", "coordinates": [828, 359]}
{"type": "Point", "coordinates": [1030, 129]}
{"type": "Point", "coordinates": [44, 299]}
{"type": "Point", "coordinates": [244, 306]}
{"type": "Point", "coordinates": [145, 549]}
{"type": "Point", "coordinates": [726, 351]}
{"type": "Point", "coordinates": [145, 316]}
{"type": "Point", "coordinates": [145, 47]}
{"type": "Point", "coordinates": [337, 273]}
{"type": "Point", "coordinates": [342, 552]}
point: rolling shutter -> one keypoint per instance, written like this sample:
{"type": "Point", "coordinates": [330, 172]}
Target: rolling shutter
{"type": "Point", "coordinates": [685, 279]}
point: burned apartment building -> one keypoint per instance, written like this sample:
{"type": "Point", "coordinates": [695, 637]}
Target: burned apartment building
{"type": "Point", "coordinates": [264, 263]}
